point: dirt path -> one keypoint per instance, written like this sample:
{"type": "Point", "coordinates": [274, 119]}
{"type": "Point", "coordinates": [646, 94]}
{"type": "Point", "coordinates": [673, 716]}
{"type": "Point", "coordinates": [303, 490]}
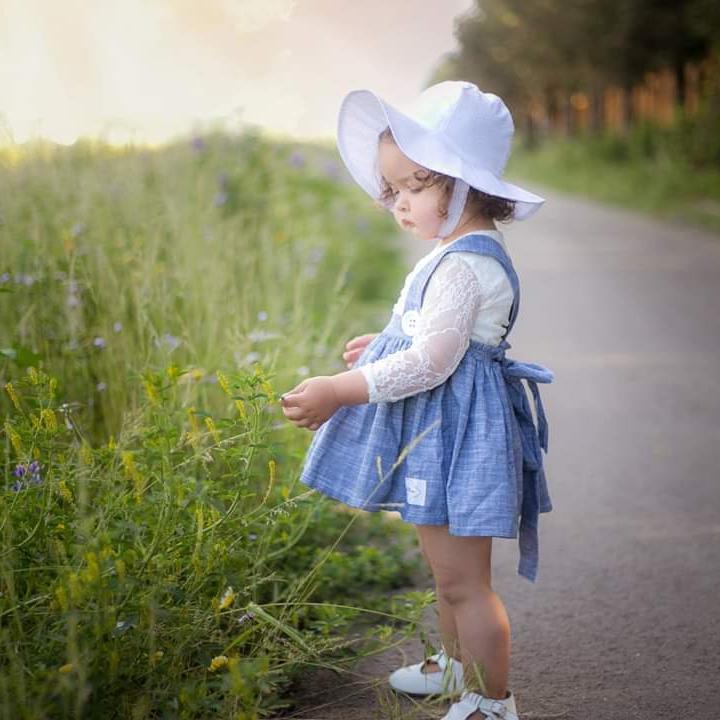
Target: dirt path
{"type": "Point", "coordinates": [623, 621]}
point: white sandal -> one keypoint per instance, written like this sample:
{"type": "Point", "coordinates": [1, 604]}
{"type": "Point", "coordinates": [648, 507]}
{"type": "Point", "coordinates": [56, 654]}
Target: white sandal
{"type": "Point", "coordinates": [447, 680]}
{"type": "Point", "coordinates": [491, 708]}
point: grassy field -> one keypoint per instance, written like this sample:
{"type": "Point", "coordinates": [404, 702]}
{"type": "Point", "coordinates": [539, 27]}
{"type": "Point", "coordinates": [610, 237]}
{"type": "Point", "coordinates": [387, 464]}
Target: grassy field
{"type": "Point", "coordinates": [159, 559]}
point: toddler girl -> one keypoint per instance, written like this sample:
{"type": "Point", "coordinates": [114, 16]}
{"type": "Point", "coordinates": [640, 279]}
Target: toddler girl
{"type": "Point", "coordinates": [433, 419]}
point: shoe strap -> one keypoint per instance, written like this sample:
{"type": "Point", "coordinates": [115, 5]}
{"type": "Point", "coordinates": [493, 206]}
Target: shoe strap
{"type": "Point", "coordinates": [492, 709]}
{"type": "Point", "coordinates": [440, 658]}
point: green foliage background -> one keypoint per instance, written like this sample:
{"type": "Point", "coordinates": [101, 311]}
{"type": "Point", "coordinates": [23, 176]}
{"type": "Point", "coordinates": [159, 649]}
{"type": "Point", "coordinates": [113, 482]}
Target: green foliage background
{"type": "Point", "coordinates": [163, 561]}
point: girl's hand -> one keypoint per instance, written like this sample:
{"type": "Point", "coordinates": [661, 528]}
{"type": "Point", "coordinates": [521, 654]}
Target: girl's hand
{"type": "Point", "coordinates": [356, 346]}
{"type": "Point", "coordinates": [310, 403]}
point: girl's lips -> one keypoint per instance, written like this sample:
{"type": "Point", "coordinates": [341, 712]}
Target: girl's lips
{"type": "Point", "coordinates": [407, 223]}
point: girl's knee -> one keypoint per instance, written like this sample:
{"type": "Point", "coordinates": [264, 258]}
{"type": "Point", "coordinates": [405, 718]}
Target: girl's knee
{"type": "Point", "coordinates": [456, 589]}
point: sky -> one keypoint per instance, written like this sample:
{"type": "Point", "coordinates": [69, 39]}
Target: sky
{"type": "Point", "coordinates": [148, 70]}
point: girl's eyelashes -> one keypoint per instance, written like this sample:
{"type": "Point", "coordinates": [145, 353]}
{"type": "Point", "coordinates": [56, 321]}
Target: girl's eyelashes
{"type": "Point", "coordinates": [412, 190]}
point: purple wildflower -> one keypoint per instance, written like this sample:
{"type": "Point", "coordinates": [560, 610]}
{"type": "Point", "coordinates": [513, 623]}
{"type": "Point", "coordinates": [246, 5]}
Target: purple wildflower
{"type": "Point", "coordinates": [78, 229]}
{"type": "Point", "coordinates": [101, 386]}
{"type": "Point", "coordinates": [99, 342]}
{"type": "Point", "coordinates": [117, 327]}
{"type": "Point", "coordinates": [332, 170]}
{"type": "Point", "coordinates": [220, 198]}
{"type": "Point", "coordinates": [5, 277]}
{"type": "Point", "coordinates": [297, 159]}
{"type": "Point", "coordinates": [198, 144]}
{"type": "Point", "coordinates": [21, 471]}
{"type": "Point", "coordinates": [168, 340]}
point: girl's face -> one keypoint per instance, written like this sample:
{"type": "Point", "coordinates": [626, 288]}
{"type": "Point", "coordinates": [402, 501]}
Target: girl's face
{"type": "Point", "coordinates": [416, 207]}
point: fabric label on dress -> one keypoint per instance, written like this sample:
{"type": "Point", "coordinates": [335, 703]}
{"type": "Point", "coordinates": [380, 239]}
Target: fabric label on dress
{"type": "Point", "coordinates": [415, 490]}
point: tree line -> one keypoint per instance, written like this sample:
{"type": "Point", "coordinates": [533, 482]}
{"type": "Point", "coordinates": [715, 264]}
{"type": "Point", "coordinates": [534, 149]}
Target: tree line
{"type": "Point", "coordinates": [591, 59]}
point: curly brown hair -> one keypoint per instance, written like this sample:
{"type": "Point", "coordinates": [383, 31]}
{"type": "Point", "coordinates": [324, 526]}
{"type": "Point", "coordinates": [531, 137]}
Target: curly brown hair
{"type": "Point", "coordinates": [489, 207]}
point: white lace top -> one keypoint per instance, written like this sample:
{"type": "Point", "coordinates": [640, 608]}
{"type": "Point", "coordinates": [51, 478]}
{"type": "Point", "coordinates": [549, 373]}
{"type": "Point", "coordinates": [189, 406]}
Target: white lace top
{"type": "Point", "coordinates": [467, 296]}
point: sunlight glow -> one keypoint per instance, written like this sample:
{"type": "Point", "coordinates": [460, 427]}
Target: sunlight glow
{"type": "Point", "coordinates": [133, 70]}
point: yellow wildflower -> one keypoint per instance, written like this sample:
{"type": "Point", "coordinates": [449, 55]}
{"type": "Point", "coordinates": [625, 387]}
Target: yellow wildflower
{"type": "Point", "coordinates": [210, 424]}
{"type": "Point", "coordinates": [156, 657]}
{"type": "Point", "coordinates": [86, 454]}
{"type": "Point", "coordinates": [61, 597]}
{"type": "Point", "coordinates": [193, 434]}
{"type": "Point", "coordinates": [91, 574]}
{"type": "Point", "coordinates": [64, 491]}
{"type": "Point", "coordinates": [218, 662]}
{"type": "Point", "coordinates": [120, 568]}
{"type": "Point", "coordinates": [151, 392]}
{"type": "Point", "coordinates": [13, 395]}
{"type": "Point", "coordinates": [66, 668]}
{"type": "Point", "coordinates": [14, 438]}
{"type": "Point", "coordinates": [47, 416]}
{"type": "Point", "coordinates": [132, 472]}
{"type": "Point", "coordinates": [224, 384]}
{"type": "Point", "coordinates": [227, 599]}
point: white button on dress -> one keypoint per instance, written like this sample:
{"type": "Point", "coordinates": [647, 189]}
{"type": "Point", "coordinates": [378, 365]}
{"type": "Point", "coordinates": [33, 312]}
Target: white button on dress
{"type": "Point", "coordinates": [409, 322]}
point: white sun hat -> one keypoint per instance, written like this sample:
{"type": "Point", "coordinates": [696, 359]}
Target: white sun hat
{"type": "Point", "coordinates": [452, 127]}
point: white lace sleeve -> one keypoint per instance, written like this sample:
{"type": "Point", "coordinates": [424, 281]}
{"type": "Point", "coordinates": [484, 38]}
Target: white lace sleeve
{"type": "Point", "coordinates": [446, 319]}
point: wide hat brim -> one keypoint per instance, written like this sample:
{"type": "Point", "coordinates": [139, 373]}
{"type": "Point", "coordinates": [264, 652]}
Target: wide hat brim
{"type": "Point", "coordinates": [362, 117]}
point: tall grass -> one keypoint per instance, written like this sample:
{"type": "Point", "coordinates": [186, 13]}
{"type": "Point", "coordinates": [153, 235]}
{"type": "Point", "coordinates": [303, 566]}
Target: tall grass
{"type": "Point", "coordinates": [216, 253]}
{"type": "Point", "coordinates": [158, 559]}
{"type": "Point", "coordinates": [672, 173]}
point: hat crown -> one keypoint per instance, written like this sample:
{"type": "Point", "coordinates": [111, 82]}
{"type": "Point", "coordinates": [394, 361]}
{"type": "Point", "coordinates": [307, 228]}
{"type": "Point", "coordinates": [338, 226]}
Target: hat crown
{"type": "Point", "coordinates": [477, 125]}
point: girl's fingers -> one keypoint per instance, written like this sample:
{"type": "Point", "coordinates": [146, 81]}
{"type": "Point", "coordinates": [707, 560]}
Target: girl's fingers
{"type": "Point", "coordinates": [360, 340]}
{"type": "Point", "coordinates": [307, 422]}
{"type": "Point", "coordinates": [291, 398]}
{"type": "Point", "coordinates": [294, 413]}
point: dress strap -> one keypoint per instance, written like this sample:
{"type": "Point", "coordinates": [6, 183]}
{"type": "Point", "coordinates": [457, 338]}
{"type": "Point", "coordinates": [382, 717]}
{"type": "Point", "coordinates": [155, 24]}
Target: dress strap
{"type": "Point", "coordinates": [476, 242]}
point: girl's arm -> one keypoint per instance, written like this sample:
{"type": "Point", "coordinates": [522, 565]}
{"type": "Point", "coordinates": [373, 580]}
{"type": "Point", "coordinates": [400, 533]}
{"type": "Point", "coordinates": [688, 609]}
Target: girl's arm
{"type": "Point", "coordinates": [447, 317]}
{"type": "Point", "coordinates": [445, 322]}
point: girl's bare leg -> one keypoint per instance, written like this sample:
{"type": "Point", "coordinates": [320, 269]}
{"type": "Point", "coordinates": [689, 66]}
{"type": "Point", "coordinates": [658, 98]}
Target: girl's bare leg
{"type": "Point", "coordinates": [446, 623]}
{"type": "Point", "coordinates": [461, 567]}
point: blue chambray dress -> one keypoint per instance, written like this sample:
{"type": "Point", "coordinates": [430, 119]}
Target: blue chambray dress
{"type": "Point", "coordinates": [465, 454]}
